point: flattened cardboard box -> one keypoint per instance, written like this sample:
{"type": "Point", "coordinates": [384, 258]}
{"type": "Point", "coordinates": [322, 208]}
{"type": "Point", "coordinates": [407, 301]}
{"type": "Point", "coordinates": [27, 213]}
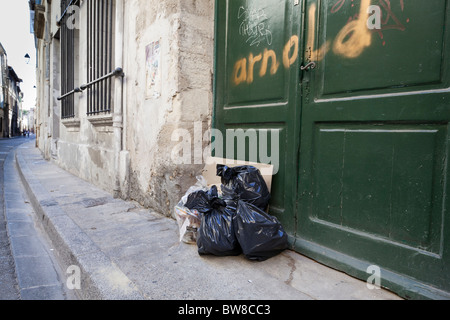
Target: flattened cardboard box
{"type": "Point", "coordinates": [210, 170]}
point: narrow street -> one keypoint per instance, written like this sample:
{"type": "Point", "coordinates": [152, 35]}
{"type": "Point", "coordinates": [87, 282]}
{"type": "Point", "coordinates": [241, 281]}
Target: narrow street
{"type": "Point", "coordinates": [28, 268]}
{"type": "Point", "coordinates": [8, 282]}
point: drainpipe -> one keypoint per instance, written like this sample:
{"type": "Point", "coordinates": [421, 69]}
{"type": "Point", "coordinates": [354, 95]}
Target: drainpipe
{"type": "Point", "coordinates": [124, 154]}
{"type": "Point", "coordinates": [118, 95]}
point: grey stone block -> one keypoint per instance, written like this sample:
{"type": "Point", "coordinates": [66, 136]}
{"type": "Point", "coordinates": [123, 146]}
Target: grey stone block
{"type": "Point", "coordinates": [27, 246]}
{"type": "Point", "coordinates": [43, 293]}
{"type": "Point", "coordinates": [35, 272]}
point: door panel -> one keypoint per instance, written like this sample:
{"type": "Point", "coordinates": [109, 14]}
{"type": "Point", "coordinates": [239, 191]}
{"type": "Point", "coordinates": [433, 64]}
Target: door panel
{"type": "Point", "coordinates": [407, 50]}
{"type": "Point", "coordinates": [381, 181]}
{"type": "Point", "coordinates": [257, 82]}
{"type": "Point", "coordinates": [374, 140]}
{"type": "Point", "coordinates": [256, 37]}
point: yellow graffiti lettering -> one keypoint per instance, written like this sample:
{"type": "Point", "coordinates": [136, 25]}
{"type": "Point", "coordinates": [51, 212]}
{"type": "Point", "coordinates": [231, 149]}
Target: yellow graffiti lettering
{"type": "Point", "coordinates": [350, 42]}
{"type": "Point", "coordinates": [319, 54]}
{"type": "Point", "coordinates": [355, 37]}
{"type": "Point", "coordinates": [240, 72]}
{"type": "Point", "coordinates": [289, 60]}
{"type": "Point", "coordinates": [251, 66]}
{"type": "Point", "coordinates": [244, 69]}
{"type": "Point", "coordinates": [269, 54]}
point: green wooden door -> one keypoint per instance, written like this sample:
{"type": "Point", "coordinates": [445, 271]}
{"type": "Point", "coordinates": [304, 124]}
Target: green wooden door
{"type": "Point", "coordinates": [359, 139]}
{"type": "Point", "coordinates": [373, 178]}
{"type": "Point", "coordinates": [256, 91]}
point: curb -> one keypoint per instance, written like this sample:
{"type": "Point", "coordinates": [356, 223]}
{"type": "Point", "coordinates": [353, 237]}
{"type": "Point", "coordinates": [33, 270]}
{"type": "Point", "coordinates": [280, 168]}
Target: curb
{"type": "Point", "coordinates": [101, 278]}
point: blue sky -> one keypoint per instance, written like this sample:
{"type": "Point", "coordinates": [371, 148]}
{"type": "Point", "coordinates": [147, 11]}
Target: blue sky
{"type": "Point", "coordinates": [17, 40]}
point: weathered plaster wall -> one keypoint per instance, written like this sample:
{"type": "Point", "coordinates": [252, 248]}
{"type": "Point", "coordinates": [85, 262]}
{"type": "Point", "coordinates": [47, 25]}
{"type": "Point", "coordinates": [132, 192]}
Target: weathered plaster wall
{"type": "Point", "coordinates": [185, 31]}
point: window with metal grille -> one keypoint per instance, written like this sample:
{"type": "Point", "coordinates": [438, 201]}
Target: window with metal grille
{"type": "Point", "coordinates": [69, 46]}
{"type": "Point", "coordinates": [100, 28]}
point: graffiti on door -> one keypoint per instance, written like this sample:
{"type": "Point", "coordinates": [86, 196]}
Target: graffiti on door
{"type": "Point", "coordinates": [374, 17]}
{"type": "Point", "coordinates": [381, 17]}
{"type": "Point", "coordinates": [253, 26]}
{"type": "Point", "coordinates": [244, 68]}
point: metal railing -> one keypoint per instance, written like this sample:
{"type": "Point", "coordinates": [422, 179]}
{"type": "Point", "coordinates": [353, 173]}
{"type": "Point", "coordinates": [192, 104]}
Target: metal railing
{"type": "Point", "coordinates": [68, 94]}
{"type": "Point", "coordinates": [118, 72]}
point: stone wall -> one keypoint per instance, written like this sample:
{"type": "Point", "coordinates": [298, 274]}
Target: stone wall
{"type": "Point", "coordinates": [185, 31]}
{"type": "Point", "coordinates": [180, 97]}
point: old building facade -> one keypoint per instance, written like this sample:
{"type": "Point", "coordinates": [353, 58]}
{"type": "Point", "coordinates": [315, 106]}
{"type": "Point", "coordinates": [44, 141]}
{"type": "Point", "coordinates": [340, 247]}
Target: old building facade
{"type": "Point", "coordinates": [157, 58]}
{"type": "Point", "coordinates": [3, 87]}
{"type": "Point", "coordinates": [11, 98]}
{"type": "Point", "coordinates": [15, 104]}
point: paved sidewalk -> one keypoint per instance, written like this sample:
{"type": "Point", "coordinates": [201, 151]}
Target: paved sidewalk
{"type": "Point", "coordinates": [129, 253]}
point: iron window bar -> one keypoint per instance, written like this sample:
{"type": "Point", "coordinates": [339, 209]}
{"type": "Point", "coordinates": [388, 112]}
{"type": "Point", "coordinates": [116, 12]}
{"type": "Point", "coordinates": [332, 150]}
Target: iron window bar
{"type": "Point", "coordinates": [100, 55]}
{"type": "Point", "coordinates": [68, 47]}
{"type": "Point", "coordinates": [116, 73]}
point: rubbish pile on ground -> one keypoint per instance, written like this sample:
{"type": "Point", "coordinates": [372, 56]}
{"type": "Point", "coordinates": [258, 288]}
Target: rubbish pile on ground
{"type": "Point", "coordinates": [234, 220]}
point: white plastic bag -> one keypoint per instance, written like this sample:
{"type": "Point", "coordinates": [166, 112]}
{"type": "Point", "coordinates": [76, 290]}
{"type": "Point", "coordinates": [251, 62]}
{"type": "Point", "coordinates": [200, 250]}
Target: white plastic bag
{"type": "Point", "coordinates": [189, 220]}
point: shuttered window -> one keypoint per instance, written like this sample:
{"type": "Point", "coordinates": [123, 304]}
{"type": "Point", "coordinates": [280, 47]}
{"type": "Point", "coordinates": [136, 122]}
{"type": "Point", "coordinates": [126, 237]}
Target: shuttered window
{"type": "Point", "coordinates": [100, 28]}
{"type": "Point", "coordinates": [68, 52]}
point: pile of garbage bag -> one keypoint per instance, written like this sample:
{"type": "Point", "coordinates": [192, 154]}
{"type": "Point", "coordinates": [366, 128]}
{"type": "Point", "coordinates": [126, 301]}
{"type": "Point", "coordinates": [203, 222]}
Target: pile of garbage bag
{"type": "Point", "coordinates": [233, 221]}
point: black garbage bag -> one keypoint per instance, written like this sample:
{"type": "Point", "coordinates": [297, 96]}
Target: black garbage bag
{"type": "Point", "coordinates": [216, 235]}
{"type": "Point", "coordinates": [244, 183]}
{"type": "Point", "coordinates": [260, 235]}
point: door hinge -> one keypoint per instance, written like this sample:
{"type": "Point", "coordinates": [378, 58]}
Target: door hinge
{"type": "Point", "coordinates": [296, 2]}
